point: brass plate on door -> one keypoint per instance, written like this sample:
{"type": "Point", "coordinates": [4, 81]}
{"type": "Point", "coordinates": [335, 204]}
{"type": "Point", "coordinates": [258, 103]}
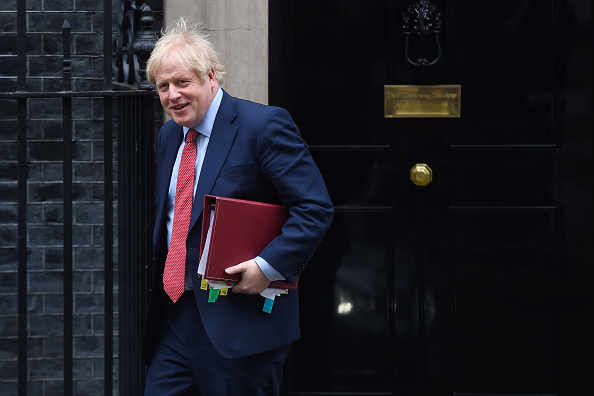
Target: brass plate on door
{"type": "Point", "coordinates": [422, 101]}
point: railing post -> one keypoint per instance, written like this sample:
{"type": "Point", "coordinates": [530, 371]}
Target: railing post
{"type": "Point", "coordinates": [108, 203]}
{"type": "Point", "coordinates": [23, 369]}
{"type": "Point", "coordinates": [67, 202]}
{"type": "Point", "coordinates": [144, 44]}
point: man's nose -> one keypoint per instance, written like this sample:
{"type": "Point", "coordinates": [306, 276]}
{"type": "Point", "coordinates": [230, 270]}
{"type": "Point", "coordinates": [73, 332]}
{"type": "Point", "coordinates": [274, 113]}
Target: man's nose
{"type": "Point", "coordinates": [173, 93]}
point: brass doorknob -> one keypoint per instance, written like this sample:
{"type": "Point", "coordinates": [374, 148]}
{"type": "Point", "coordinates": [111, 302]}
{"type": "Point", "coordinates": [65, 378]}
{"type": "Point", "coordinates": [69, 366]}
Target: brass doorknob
{"type": "Point", "coordinates": [421, 175]}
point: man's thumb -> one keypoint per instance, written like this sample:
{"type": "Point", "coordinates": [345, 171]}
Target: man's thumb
{"type": "Point", "coordinates": [233, 270]}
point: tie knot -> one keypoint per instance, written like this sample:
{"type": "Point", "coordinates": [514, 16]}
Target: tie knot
{"type": "Point", "coordinates": [191, 136]}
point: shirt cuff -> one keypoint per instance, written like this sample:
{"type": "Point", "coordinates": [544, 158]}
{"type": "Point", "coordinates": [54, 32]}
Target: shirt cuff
{"type": "Point", "coordinates": [268, 270]}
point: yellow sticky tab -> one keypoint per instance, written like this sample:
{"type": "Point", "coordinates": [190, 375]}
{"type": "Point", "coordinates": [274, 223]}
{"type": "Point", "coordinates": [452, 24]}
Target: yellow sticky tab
{"type": "Point", "coordinates": [203, 284]}
{"type": "Point", "coordinates": [224, 292]}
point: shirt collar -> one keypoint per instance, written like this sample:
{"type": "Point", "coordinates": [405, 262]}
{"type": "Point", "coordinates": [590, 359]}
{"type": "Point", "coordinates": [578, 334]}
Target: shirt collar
{"type": "Point", "coordinates": [205, 126]}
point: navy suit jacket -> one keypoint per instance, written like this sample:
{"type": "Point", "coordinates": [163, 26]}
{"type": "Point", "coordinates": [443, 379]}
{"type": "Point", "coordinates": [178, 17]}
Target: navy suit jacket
{"type": "Point", "coordinates": [255, 152]}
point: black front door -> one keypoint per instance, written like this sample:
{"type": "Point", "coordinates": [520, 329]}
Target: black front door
{"type": "Point", "coordinates": [479, 283]}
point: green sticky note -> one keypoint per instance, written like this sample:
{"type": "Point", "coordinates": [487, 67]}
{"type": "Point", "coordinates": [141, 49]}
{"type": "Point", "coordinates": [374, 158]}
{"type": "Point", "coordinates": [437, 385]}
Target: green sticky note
{"type": "Point", "coordinates": [213, 294]}
{"type": "Point", "coordinates": [268, 305]}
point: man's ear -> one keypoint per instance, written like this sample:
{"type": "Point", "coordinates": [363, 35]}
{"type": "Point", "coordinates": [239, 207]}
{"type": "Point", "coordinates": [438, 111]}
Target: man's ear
{"type": "Point", "coordinates": [212, 77]}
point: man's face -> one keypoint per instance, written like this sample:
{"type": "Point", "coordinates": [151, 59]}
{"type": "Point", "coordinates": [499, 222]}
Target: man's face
{"type": "Point", "coordinates": [184, 96]}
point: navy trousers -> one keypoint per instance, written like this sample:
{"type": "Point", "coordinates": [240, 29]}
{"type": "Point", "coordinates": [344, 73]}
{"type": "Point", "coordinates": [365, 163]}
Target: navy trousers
{"type": "Point", "coordinates": [186, 363]}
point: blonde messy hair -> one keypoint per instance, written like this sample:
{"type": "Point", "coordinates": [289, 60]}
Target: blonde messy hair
{"type": "Point", "coordinates": [189, 45]}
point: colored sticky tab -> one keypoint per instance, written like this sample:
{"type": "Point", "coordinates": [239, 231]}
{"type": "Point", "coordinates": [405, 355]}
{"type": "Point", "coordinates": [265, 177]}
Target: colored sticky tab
{"type": "Point", "coordinates": [213, 294]}
{"type": "Point", "coordinates": [268, 305]}
{"type": "Point", "coordinates": [203, 284]}
{"type": "Point", "coordinates": [224, 292]}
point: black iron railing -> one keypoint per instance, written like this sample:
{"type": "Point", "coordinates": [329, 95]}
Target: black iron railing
{"type": "Point", "coordinates": [134, 129]}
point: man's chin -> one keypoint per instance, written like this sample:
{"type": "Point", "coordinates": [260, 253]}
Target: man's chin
{"type": "Point", "coordinates": [180, 121]}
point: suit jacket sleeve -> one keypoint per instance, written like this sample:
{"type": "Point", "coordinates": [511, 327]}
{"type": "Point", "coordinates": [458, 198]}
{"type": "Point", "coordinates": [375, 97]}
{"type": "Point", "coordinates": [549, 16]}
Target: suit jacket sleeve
{"type": "Point", "coordinates": [286, 162]}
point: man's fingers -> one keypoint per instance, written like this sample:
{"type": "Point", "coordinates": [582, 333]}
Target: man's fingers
{"type": "Point", "coordinates": [253, 280]}
{"type": "Point", "coordinates": [235, 269]}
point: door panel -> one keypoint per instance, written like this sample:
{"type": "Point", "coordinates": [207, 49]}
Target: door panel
{"type": "Point", "coordinates": [370, 175]}
{"type": "Point", "coordinates": [502, 54]}
{"type": "Point", "coordinates": [346, 309]}
{"type": "Point", "coordinates": [480, 282]}
{"type": "Point", "coordinates": [504, 319]}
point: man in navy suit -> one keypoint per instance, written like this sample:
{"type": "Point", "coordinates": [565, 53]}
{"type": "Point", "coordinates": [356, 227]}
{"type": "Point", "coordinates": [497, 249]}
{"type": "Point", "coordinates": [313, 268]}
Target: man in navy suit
{"type": "Point", "coordinates": [243, 150]}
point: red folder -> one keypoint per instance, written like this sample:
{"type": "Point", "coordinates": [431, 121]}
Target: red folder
{"type": "Point", "coordinates": [240, 231]}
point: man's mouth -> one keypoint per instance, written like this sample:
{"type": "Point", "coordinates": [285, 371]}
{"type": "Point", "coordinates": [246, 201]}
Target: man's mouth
{"type": "Point", "coordinates": [179, 107]}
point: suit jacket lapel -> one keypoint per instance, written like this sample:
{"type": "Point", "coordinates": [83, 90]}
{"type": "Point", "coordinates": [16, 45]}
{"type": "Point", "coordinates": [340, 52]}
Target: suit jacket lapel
{"type": "Point", "coordinates": [168, 163]}
{"type": "Point", "coordinates": [166, 168]}
{"type": "Point", "coordinates": [221, 139]}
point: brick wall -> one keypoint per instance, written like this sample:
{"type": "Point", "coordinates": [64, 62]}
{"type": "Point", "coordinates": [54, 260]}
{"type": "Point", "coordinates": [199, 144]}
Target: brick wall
{"type": "Point", "coordinates": [44, 210]}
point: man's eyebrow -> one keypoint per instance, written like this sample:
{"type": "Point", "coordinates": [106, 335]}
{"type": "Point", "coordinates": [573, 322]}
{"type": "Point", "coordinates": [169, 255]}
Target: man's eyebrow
{"type": "Point", "coordinates": [176, 77]}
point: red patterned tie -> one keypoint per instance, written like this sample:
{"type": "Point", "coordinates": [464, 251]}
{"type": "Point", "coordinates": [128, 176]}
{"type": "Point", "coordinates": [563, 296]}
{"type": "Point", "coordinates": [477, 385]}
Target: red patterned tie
{"type": "Point", "coordinates": [175, 265]}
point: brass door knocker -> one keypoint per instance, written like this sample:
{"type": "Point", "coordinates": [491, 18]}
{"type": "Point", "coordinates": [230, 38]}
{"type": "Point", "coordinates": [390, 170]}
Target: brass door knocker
{"type": "Point", "coordinates": [422, 19]}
